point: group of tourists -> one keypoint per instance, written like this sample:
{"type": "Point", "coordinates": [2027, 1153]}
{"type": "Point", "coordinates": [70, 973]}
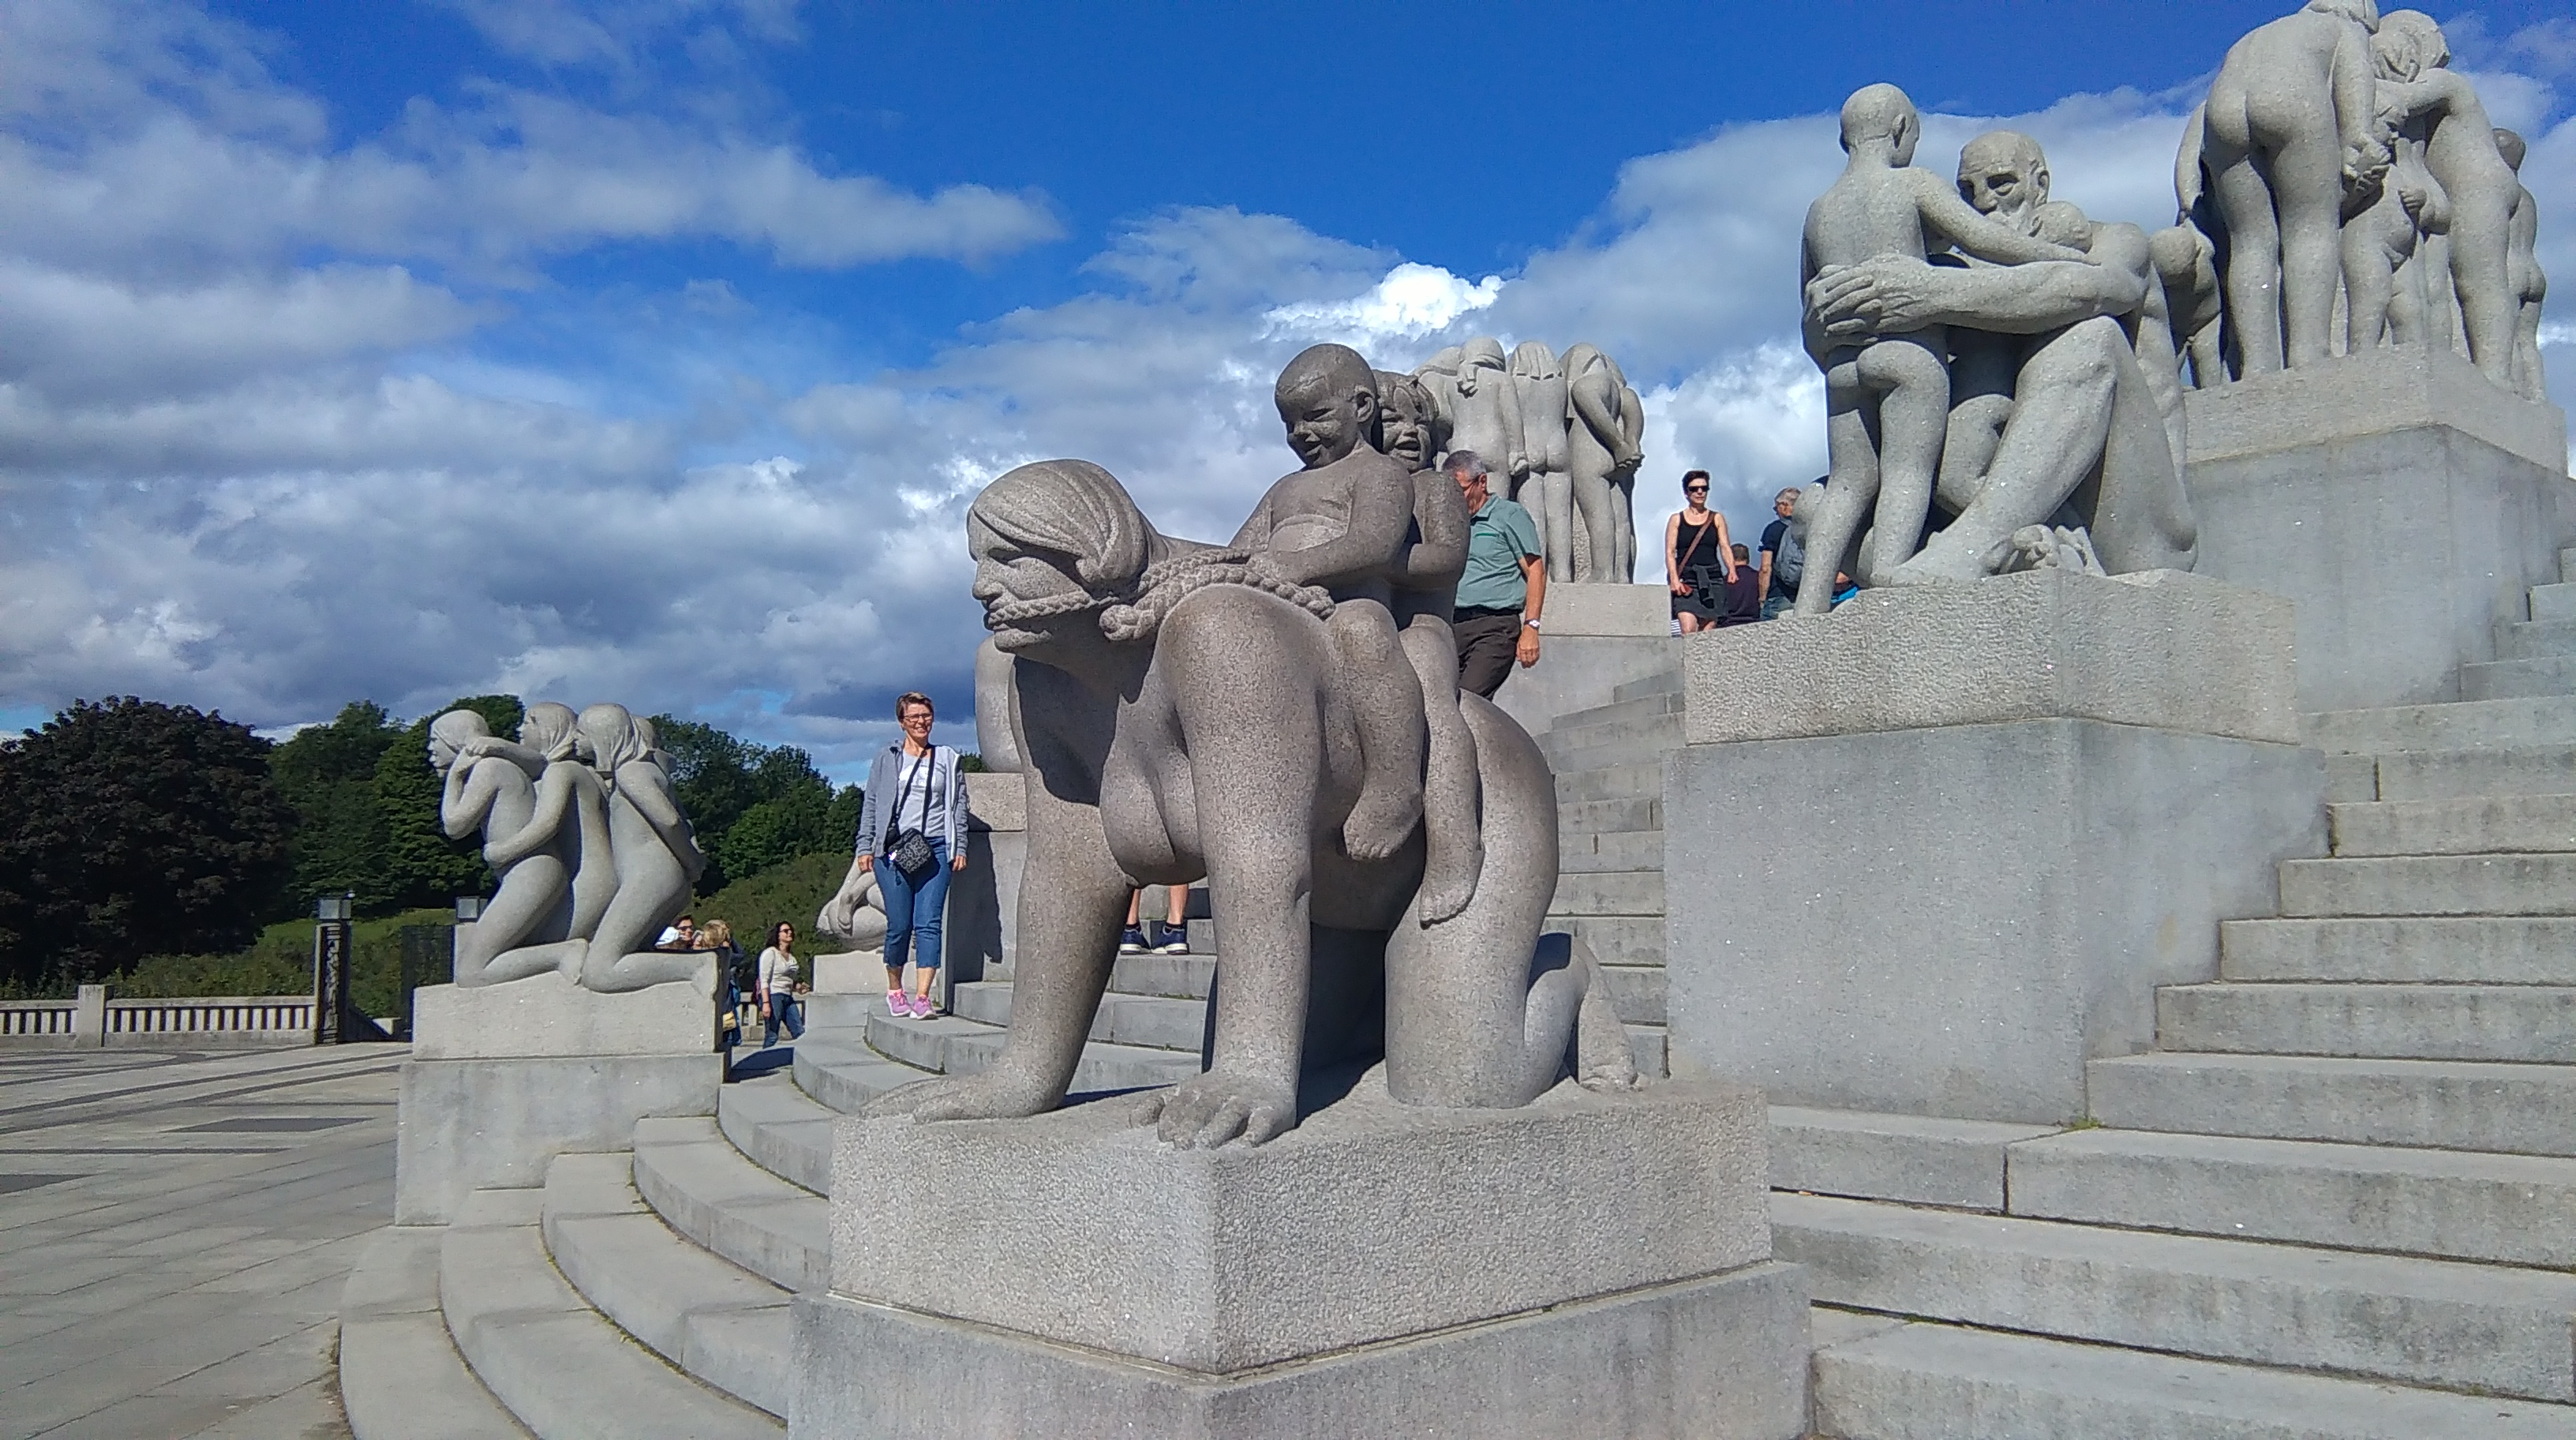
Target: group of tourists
{"type": "Point", "coordinates": [1716, 581]}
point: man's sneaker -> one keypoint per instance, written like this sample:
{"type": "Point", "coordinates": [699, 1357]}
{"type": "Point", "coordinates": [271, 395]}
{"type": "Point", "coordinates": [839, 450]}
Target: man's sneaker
{"type": "Point", "coordinates": [1175, 942]}
{"type": "Point", "coordinates": [1132, 943]}
{"type": "Point", "coordinates": [897, 1005]}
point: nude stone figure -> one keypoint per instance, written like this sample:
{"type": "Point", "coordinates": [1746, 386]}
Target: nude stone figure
{"type": "Point", "coordinates": [1487, 413]}
{"type": "Point", "coordinates": [1602, 457]}
{"type": "Point", "coordinates": [2460, 151]}
{"type": "Point", "coordinates": [657, 857]}
{"type": "Point", "coordinates": [1426, 591]}
{"type": "Point", "coordinates": [1540, 478]}
{"type": "Point", "coordinates": [531, 905]}
{"type": "Point", "coordinates": [2082, 434]}
{"type": "Point", "coordinates": [1887, 394]}
{"type": "Point", "coordinates": [2186, 264]}
{"type": "Point", "coordinates": [2290, 122]}
{"type": "Point", "coordinates": [1216, 744]}
{"type": "Point", "coordinates": [2386, 255]}
{"type": "Point", "coordinates": [1438, 377]}
{"type": "Point", "coordinates": [2524, 277]}
{"type": "Point", "coordinates": [1341, 524]}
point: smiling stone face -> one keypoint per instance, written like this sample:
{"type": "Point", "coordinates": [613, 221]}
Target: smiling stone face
{"type": "Point", "coordinates": [1327, 400]}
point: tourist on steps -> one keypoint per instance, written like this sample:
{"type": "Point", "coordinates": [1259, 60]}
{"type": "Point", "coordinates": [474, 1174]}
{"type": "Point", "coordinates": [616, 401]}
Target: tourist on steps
{"type": "Point", "coordinates": [912, 821]}
{"type": "Point", "coordinates": [1698, 558]}
{"type": "Point", "coordinates": [1505, 583]}
{"type": "Point", "coordinates": [778, 987]}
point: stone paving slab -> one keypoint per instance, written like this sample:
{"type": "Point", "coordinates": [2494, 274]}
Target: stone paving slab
{"type": "Point", "coordinates": [185, 1279]}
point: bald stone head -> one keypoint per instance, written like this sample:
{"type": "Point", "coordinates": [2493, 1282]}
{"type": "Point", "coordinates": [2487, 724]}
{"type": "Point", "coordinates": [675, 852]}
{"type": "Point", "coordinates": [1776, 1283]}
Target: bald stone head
{"type": "Point", "coordinates": [2004, 174]}
{"type": "Point", "coordinates": [1328, 401]}
{"type": "Point", "coordinates": [1881, 115]}
{"type": "Point", "coordinates": [2365, 13]}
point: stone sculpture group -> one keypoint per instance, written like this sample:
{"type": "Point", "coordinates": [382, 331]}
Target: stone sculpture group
{"type": "Point", "coordinates": [2337, 149]}
{"type": "Point", "coordinates": [584, 835]}
{"type": "Point", "coordinates": [1280, 715]}
{"type": "Point", "coordinates": [1562, 433]}
{"type": "Point", "coordinates": [2002, 366]}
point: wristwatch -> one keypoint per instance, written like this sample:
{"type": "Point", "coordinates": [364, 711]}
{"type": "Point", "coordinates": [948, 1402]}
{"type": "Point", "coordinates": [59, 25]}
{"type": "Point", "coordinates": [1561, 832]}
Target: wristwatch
{"type": "Point", "coordinates": [1531, 622]}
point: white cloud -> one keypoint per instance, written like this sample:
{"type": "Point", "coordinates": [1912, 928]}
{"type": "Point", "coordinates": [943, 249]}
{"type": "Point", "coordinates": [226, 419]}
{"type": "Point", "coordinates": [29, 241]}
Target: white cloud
{"type": "Point", "coordinates": [1412, 301]}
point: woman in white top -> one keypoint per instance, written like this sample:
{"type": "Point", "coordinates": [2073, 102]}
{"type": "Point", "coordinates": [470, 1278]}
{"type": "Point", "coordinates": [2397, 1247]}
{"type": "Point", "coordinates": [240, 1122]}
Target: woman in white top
{"type": "Point", "coordinates": [775, 986]}
{"type": "Point", "coordinates": [914, 788]}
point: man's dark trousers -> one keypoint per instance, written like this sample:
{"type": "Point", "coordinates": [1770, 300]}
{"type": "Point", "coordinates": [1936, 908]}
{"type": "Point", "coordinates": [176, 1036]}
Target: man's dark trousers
{"type": "Point", "coordinates": [1488, 641]}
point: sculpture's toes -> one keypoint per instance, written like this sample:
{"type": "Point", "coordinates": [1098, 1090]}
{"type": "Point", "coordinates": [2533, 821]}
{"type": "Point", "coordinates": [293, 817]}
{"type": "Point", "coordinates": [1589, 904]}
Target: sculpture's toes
{"type": "Point", "coordinates": [1214, 1109]}
{"type": "Point", "coordinates": [1937, 564]}
{"type": "Point", "coordinates": [1381, 822]}
{"type": "Point", "coordinates": [950, 1097]}
{"type": "Point", "coordinates": [1613, 1075]}
{"type": "Point", "coordinates": [1448, 883]}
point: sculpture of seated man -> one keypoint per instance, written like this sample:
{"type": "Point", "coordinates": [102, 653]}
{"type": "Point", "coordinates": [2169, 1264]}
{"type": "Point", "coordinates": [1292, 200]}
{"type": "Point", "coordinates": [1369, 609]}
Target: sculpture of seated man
{"type": "Point", "coordinates": [1887, 392]}
{"type": "Point", "coordinates": [1342, 525]}
{"type": "Point", "coordinates": [2072, 430]}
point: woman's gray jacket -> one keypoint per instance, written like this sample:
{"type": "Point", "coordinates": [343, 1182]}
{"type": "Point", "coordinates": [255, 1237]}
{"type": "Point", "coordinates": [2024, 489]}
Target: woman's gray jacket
{"type": "Point", "coordinates": [885, 782]}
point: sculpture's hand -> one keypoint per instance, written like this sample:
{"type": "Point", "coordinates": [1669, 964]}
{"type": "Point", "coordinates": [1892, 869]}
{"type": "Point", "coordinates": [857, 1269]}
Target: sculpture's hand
{"type": "Point", "coordinates": [1218, 1107]}
{"type": "Point", "coordinates": [1885, 295]}
{"type": "Point", "coordinates": [2365, 162]}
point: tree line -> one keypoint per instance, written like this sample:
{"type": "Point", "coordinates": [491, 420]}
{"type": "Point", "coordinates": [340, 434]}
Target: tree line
{"type": "Point", "coordinates": [130, 828]}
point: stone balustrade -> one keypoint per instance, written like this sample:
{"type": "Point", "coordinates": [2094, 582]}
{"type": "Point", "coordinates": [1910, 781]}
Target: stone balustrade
{"type": "Point", "coordinates": [91, 1018]}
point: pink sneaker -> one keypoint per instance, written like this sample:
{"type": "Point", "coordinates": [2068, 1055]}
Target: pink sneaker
{"type": "Point", "coordinates": [896, 1005]}
{"type": "Point", "coordinates": [922, 1008]}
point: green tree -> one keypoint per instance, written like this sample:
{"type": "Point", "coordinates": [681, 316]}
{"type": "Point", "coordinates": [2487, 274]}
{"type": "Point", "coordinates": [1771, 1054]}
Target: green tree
{"type": "Point", "coordinates": [132, 828]}
{"type": "Point", "coordinates": [328, 773]}
{"type": "Point", "coordinates": [422, 866]}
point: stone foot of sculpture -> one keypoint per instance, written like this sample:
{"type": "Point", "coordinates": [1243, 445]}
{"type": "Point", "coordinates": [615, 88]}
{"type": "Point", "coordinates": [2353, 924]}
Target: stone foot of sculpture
{"type": "Point", "coordinates": [1381, 821]}
{"type": "Point", "coordinates": [1212, 1109]}
{"type": "Point", "coordinates": [1942, 561]}
{"type": "Point", "coordinates": [988, 1095]}
{"type": "Point", "coordinates": [562, 957]}
{"type": "Point", "coordinates": [612, 975]}
{"type": "Point", "coordinates": [1453, 845]}
{"type": "Point", "coordinates": [2041, 547]}
{"type": "Point", "coordinates": [1603, 1058]}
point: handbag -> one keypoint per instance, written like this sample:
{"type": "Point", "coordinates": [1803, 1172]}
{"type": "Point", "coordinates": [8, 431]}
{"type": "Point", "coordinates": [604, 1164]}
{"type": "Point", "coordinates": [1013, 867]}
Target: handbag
{"type": "Point", "coordinates": [910, 849]}
{"type": "Point", "coordinates": [1703, 588]}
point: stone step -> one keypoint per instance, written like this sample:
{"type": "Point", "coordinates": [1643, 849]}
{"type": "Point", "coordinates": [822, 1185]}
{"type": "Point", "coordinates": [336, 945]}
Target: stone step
{"type": "Point", "coordinates": [1638, 991]}
{"type": "Point", "coordinates": [2447, 1204]}
{"type": "Point", "coordinates": [1185, 977]}
{"type": "Point", "coordinates": [1614, 782]}
{"type": "Point", "coordinates": [1950, 1382]}
{"type": "Point", "coordinates": [2513, 1023]}
{"type": "Point", "coordinates": [2469, 826]}
{"type": "Point", "coordinates": [559, 1365]}
{"type": "Point", "coordinates": [1646, 1043]}
{"type": "Point", "coordinates": [2430, 885]}
{"type": "Point", "coordinates": [2534, 639]}
{"type": "Point", "coordinates": [2459, 774]}
{"type": "Point", "coordinates": [1587, 817]}
{"type": "Point", "coordinates": [2352, 778]}
{"type": "Point", "coordinates": [2458, 725]}
{"type": "Point", "coordinates": [1633, 892]}
{"type": "Point", "coordinates": [2428, 1322]}
{"type": "Point", "coordinates": [1662, 682]}
{"type": "Point", "coordinates": [2425, 1104]}
{"type": "Point", "coordinates": [1613, 742]}
{"type": "Point", "coordinates": [1622, 850]}
{"type": "Point", "coordinates": [1102, 1067]}
{"type": "Point", "coordinates": [1148, 1021]}
{"type": "Point", "coordinates": [2553, 602]}
{"type": "Point", "coordinates": [715, 1320]}
{"type": "Point", "coordinates": [1644, 707]}
{"type": "Point", "coordinates": [400, 1375]}
{"type": "Point", "coordinates": [2511, 679]}
{"type": "Point", "coordinates": [708, 1191]}
{"type": "Point", "coordinates": [921, 1044]}
{"type": "Point", "coordinates": [1910, 1159]}
{"type": "Point", "coordinates": [2446, 949]}
{"type": "Point", "coordinates": [780, 1128]}
{"type": "Point", "coordinates": [838, 1071]}
{"type": "Point", "coordinates": [1616, 939]}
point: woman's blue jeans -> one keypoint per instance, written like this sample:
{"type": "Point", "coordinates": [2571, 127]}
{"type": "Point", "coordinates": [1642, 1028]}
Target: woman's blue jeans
{"type": "Point", "coordinates": [914, 909]}
{"type": "Point", "coordinates": [782, 1012]}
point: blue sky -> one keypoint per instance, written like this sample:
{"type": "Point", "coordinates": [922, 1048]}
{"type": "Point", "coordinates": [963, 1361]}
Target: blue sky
{"type": "Point", "coordinates": [650, 351]}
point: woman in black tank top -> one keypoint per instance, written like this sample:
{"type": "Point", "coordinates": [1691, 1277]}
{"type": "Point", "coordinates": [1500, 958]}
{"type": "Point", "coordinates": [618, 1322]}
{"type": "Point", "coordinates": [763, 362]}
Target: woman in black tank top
{"type": "Point", "coordinates": [1697, 558]}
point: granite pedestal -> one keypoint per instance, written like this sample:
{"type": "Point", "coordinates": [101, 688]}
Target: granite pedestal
{"type": "Point", "coordinates": [505, 1077]}
{"type": "Point", "coordinates": [2404, 502]}
{"type": "Point", "coordinates": [1593, 639]}
{"type": "Point", "coordinates": [1590, 1265]}
{"type": "Point", "coordinates": [1930, 853]}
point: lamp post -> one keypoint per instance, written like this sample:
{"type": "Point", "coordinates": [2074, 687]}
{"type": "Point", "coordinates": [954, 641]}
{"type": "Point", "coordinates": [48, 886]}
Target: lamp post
{"type": "Point", "coordinates": [331, 942]}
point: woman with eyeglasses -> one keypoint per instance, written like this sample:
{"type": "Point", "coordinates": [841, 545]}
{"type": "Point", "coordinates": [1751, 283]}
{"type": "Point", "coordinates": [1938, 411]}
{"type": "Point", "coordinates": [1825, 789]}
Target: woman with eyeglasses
{"type": "Point", "coordinates": [912, 823]}
{"type": "Point", "coordinates": [1699, 561]}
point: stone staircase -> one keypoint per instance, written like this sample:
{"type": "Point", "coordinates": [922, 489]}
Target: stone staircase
{"type": "Point", "coordinates": [2338, 1200]}
{"type": "Point", "coordinates": [1609, 764]}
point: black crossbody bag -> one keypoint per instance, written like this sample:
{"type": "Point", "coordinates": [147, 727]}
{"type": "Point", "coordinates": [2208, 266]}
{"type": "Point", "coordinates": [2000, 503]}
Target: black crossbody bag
{"type": "Point", "coordinates": [910, 849]}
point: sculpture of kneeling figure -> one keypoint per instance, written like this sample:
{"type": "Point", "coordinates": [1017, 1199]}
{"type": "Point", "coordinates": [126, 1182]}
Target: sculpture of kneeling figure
{"type": "Point", "coordinates": [1179, 716]}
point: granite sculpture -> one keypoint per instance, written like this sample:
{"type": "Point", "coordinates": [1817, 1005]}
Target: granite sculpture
{"type": "Point", "coordinates": [584, 832]}
{"type": "Point", "coordinates": [2339, 158]}
{"type": "Point", "coordinates": [1887, 392]}
{"type": "Point", "coordinates": [1186, 711]}
{"type": "Point", "coordinates": [856, 913]}
{"type": "Point", "coordinates": [1562, 430]}
{"type": "Point", "coordinates": [2522, 270]}
{"type": "Point", "coordinates": [1425, 585]}
{"type": "Point", "coordinates": [2056, 417]}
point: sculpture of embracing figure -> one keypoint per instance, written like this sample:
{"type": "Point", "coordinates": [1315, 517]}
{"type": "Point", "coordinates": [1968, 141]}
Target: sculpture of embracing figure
{"type": "Point", "coordinates": [1182, 714]}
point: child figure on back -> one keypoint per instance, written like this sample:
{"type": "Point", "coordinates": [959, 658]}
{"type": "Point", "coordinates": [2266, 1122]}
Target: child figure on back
{"type": "Point", "coordinates": [1342, 523]}
{"type": "Point", "coordinates": [1887, 397]}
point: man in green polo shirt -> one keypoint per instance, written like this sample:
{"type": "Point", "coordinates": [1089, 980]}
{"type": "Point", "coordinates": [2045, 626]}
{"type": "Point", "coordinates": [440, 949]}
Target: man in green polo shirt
{"type": "Point", "coordinates": [1504, 585]}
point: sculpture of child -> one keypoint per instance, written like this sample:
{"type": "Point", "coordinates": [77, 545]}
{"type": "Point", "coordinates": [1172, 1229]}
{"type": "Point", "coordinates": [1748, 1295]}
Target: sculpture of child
{"type": "Point", "coordinates": [1342, 523]}
{"type": "Point", "coordinates": [1882, 206]}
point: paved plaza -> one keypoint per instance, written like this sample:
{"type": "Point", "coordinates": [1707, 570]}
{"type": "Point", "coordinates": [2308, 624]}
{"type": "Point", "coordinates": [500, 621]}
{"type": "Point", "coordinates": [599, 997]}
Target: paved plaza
{"type": "Point", "coordinates": [174, 1233]}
